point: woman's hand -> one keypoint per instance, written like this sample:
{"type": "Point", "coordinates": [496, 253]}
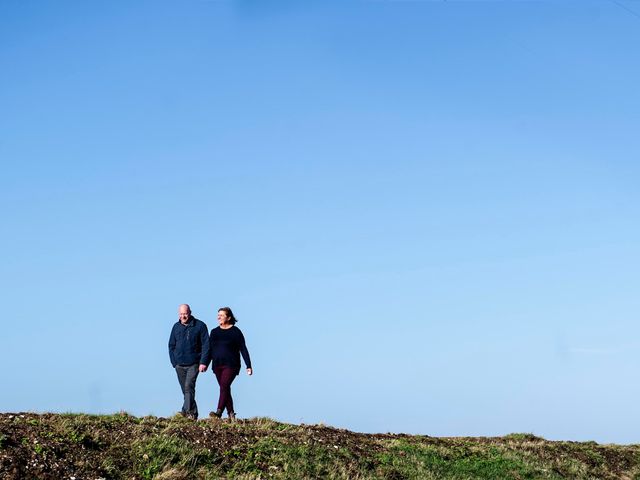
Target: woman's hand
{"type": "Point", "coordinates": [249, 371]}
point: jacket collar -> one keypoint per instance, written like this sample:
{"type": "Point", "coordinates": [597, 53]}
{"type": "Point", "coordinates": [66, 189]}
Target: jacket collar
{"type": "Point", "coordinates": [190, 322]}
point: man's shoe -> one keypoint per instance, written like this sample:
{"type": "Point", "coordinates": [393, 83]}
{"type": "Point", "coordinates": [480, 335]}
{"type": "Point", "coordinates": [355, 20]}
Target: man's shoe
{"type": "Point", "coordinates": [232, 416]}
{"type": "Point", "coordinates": [216, 414]}
{"type": "Point", "coordinates": [192, 416]}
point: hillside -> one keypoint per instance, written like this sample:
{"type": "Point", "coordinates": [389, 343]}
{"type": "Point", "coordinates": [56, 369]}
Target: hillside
{"type": "Point", "coordinates": [76, 446]}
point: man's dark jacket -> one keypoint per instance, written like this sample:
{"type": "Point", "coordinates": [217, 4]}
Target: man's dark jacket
{"type": "Point", "coordinates": [189, 343]}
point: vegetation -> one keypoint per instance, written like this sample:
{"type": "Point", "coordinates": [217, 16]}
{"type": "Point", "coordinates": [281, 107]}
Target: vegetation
{"type": "Point", "coordinates": [121, 446]}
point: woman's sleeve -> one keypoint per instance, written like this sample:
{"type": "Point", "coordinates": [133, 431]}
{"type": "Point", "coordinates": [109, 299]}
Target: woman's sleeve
{"type": "Point", "coordinates": [244, 351]}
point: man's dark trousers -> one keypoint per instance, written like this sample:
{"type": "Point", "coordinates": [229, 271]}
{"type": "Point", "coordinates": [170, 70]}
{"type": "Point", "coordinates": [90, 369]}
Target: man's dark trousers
{"type": "Point", "coordinates": [187, 375]}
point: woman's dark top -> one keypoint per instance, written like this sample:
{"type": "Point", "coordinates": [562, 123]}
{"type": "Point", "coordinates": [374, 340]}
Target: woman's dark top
{"type": "Point", "coordinates": [226, 346]}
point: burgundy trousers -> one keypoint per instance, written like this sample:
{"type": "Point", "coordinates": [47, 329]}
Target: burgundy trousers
{"type": "Point", "coordinates": [225, 376]}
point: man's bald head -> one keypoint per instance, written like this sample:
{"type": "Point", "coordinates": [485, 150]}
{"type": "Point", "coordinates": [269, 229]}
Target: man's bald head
{"type": "Point", "coordinates": [184, 312]}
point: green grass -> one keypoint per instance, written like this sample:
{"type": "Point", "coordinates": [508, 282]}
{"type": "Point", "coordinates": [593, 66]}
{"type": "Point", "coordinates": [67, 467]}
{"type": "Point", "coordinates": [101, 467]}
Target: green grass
{"type": "Point", "coordinates": [523, 437]}
{"type": "Point", "coordinates": [417, 460]}
{"type": "Point", "coordinates": [156, 454]}
{"type": "Point", "coordinates": [121, 446]}
{"type": "Point", "coordinates": [293, 460]}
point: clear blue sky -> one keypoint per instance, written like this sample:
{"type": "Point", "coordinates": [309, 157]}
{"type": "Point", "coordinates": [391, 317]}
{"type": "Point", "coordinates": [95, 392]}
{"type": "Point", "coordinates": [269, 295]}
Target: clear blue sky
{"type": "Point", "coordinates": [424, 214]}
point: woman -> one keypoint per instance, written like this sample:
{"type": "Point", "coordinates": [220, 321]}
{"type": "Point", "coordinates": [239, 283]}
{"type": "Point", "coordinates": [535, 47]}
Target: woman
{"type": "Point", "coordinates": [227, 343]}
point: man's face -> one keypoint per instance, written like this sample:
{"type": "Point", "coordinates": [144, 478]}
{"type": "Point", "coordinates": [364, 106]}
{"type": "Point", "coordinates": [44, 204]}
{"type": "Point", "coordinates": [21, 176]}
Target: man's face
{"type": "Point", "coordinates": [183, 314]}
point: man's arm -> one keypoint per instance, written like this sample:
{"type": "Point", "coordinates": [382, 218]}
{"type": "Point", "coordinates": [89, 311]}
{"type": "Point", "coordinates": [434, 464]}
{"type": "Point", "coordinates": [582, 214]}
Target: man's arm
{"type": "Point", "coordinates": [172, 347]}
{"type": "Point", "coordinates": [204, 341]}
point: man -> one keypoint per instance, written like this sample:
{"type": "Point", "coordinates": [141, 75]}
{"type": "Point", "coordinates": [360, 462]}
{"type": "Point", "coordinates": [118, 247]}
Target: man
{"type": "Point", "coordinates": [189, 354]}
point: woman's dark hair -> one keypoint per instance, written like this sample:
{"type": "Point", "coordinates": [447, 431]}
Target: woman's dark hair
{"type": "Point", "coordinates": [230, 316]}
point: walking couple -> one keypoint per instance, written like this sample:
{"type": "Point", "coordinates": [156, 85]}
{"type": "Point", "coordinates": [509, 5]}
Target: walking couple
{"type": "Point", "coordinates": [192, 348]}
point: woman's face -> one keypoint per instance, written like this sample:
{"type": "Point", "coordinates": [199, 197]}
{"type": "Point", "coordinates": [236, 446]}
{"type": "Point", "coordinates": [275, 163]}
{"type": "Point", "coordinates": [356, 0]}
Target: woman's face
{"type": "Point", "coordinates": [223, 319]}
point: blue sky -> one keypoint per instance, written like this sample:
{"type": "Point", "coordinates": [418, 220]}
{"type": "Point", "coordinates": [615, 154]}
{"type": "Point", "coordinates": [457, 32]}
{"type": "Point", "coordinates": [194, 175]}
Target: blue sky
{"type": "Point", "coordinates": [423, 213]}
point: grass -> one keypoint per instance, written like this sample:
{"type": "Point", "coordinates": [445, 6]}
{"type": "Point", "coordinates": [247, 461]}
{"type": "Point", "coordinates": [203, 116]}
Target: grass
{"type": "Point", "coordinates": [280, 458]}
{"type": "Point", "coordinates": [154, 455]}
{"type": "Point", "coordinates": [413, 459]}
{"type": "Point", "coordinates": [121, 446]}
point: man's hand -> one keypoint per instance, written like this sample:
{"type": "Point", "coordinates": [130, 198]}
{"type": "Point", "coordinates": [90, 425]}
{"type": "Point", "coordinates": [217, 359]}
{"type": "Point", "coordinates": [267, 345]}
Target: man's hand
{"type": "Point", "coordinates": [203, 368]}
{"type": "Point", "coordinates": [249, 371]}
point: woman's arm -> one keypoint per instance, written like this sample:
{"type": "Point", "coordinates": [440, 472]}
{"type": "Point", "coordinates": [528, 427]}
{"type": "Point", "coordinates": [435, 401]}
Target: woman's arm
{"type": "Point", "coordinates": [245, 353]}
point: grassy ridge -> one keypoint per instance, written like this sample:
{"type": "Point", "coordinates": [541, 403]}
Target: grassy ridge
{"type": "Point", "coordinates": [52, 446]}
